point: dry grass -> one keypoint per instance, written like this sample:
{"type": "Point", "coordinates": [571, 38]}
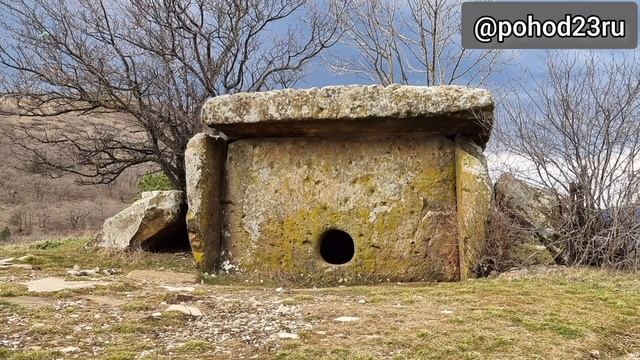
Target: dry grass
{"type": "Point", "coordinates": [551, 313]}
{"type": "Point", "coordinates": [58, 256]}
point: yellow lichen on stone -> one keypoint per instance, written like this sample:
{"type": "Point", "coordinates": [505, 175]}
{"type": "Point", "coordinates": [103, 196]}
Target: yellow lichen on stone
{"type": "Point", "coordinates": [395, 198]}
{"type": "Point", "coordinates": [198, 256]}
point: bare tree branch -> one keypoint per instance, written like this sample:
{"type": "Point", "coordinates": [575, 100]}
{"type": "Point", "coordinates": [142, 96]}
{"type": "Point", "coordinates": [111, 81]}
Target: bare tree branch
{"type": "Point", "coordinates": [411, 41]}
{"type": "Point", "coordinates": [577, 130]}
{"type": "Point", "coordinates": [154, 62]}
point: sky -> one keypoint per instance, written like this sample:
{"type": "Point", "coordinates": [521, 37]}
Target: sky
{"type": "Point", "coordinates": [525, 61]}
{"type": "Point", "coordinates": [318, 74]}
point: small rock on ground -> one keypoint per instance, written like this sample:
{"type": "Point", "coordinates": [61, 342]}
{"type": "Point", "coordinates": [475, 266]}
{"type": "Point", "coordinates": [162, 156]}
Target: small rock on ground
{"type": "Point", "coordinates": [76, 271]}
{"type": "Point", "coordinates": [178, 288]}
{"type": "Point", "coordinates": [346, 318]}
{"type": "Point", "coordinates": [286, 335]}
{"type": "Point", "coordinates": [69, 349]}
{"type": "Point", "coordinates": [187, 310]}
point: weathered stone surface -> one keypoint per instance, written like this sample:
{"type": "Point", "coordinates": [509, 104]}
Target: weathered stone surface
{"type": "Point", "coordinates": [474, 202]}
{"type": "Point", "coordinates": [204, 162]}
{"type": "Point", "coordinates": [154, 222]}
{"type": "Point", "coordinates": [173, 289]}
{"type": "Point", "coordinates": [17, 266]}
{"type": "Point", "coordinates": [353, 109]}
{"type": "Point", "coordinates": [395, 198]}
{"type": "Point", "coordinates": [10, 262]}
{"type": "Point", "coordinates": [533, 208]}
{"type": "Point", "coordinates": [52, 284]}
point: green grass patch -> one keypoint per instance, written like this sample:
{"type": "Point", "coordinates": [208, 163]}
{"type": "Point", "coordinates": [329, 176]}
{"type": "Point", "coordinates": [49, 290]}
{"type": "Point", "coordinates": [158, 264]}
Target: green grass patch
{"type": "Point", "coordinates": [138, 305]}
{"type": "Point", "coordinates": [10, 289]}
{"type": "Point", "coordinates": [194, 347]}
{"type": "Point", "coordinates": [61, 255]}
{"type": "Point", "coordinates": [131, 327]}
{"type": "Point", "coordinates": [119, 354]}
{"type": "Point", "coordinates": [305, 352]}
{"type": "Point", "coordinates": [35, 355]}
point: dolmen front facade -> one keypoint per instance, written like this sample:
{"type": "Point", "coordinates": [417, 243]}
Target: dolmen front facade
{"type": "Point", "coordinates": [342, 184]}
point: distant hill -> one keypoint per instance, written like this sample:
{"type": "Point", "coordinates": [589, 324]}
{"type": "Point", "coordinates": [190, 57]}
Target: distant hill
{"type": "Point", "coordinates": [34, 206]}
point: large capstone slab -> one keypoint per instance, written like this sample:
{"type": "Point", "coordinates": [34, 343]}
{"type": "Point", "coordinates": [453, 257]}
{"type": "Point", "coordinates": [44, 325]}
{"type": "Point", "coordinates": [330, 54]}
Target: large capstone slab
{"type": "Point", "coordinates": [353, 111]}
{"type": "Point", "coordinates": [344, 183]}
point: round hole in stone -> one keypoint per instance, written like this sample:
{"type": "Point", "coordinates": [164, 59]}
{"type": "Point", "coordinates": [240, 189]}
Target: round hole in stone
{"type": "Point", "coordinates": [336, 247]}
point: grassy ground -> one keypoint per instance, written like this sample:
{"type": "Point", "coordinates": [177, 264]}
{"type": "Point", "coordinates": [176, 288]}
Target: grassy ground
{"type": "Point", "coordinates": [549, 313]}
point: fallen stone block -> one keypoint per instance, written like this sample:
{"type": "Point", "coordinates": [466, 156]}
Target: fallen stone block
{"type": "Point", "coordinates": [155, 222]}
{"type": "Point", "coordinates": [533, 209]}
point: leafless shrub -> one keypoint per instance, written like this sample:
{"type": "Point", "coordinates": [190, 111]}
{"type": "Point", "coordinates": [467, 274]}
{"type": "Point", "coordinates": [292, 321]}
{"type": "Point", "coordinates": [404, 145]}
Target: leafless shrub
{"type": "Point", "coordinates": [494, 252]}
{"type": "Point", "coordinates": [38, 189]}
{"type": "Point", "coordinates": [577, 133]}
{"type": "Point", "coordinates": [76, 217]}
{"type": "Point", "coordinates": [42, 216]}
{"type": "Point", "coordinates": [20, 219]}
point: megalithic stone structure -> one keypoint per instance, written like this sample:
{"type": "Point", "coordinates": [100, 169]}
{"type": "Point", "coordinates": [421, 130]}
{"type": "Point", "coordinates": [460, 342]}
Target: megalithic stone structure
{"type": "Point", "coordinates": [342, 183]}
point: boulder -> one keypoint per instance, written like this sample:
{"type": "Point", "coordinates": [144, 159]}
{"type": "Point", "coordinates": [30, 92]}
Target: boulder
{"type": "Point", "coordinates": [533, 208]}
{"type": "Point", "coordinates": [155, 222]}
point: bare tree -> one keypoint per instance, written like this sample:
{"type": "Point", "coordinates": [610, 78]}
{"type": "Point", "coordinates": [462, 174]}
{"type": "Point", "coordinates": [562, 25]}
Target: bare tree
{"type": "Point", "coordinates": [76, 217]}
{"type": "Point", "coordinates": [151, 62]}
{"type": "Point", "coordinates": [577, 130]}
{"type": "Point", "coordinates": [411, 41]}
{"type": "Point", "coordinates": [38, 189]}
{"type": "Point", "coordinates": [43, 215]}
{"type": "Point", "coordinates": [21, 219]}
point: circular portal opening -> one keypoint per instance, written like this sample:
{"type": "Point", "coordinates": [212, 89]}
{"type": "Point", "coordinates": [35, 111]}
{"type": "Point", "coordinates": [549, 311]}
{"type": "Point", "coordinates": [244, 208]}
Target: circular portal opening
{"type": "Point", "coordinates": [336, 247]}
